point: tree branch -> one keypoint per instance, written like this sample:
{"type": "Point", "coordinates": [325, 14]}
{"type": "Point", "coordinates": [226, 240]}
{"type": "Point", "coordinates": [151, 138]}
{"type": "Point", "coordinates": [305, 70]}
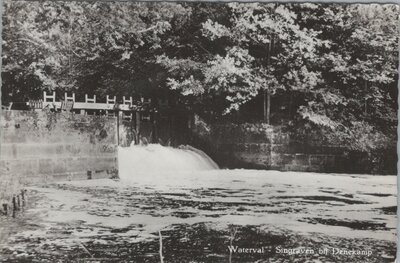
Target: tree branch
{"type": "Point", "coordinates": [200, 46]}
{"type": "Point", "coordinates": [147, 29]}
{"type": "Point", "coordinates": [30, 41]}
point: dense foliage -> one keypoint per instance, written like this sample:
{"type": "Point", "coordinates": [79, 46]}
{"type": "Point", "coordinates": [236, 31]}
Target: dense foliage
{"type": "Point", "coordinates": [331, 68]}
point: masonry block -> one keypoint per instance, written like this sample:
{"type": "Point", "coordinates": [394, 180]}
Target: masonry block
{"type": "Point", "coordinates": [44, 146]}
{"type": "Point", "coordinates": [317, 159]}
{"type": "Point", "coordinates": [302, 159]}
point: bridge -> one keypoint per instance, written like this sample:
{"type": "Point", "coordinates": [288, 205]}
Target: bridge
{"type": "Point", "coordinates": [91, 106]}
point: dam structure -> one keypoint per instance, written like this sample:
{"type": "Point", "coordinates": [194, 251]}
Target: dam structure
{"type": "Point", "coordinates": [63, 137]}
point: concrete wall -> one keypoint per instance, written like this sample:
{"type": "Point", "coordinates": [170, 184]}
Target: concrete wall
{"type": "Point", "coordinates": [267, 147]}
{"type": "Point", "coordinates": [43, 146]}
{"type": "Point", "coordinates": [262, 146]}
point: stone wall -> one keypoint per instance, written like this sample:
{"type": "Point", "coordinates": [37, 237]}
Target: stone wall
{"type": "Point", "coordinates": [43, 146]}
{"type": "Point", "coordinates": [262, 146]}
{"type": "Point", "coordinates": [267, 147]}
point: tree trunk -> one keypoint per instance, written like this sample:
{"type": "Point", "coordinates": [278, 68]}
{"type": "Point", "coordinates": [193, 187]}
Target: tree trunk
{"type": "Point", "coordinates": [267, 93]}
{"type": "Point", "coordinates": [137, 118]}
{"type": "Point", "coordinates": [267, 106]}
{"type": "Point", "coordinates": [365, 99]}
{"type": "Point", "coordinates": [291, 105]}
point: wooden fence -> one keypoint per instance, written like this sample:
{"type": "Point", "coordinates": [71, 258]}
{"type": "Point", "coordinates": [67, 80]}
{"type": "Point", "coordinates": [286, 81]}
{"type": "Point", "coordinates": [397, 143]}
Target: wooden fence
{"type": "Point", "coordinates": [90, 105]}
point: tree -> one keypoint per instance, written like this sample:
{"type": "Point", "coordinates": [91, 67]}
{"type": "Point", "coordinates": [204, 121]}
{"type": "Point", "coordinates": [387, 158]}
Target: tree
{"type": "Point", "coordinates": [331, 68]}
{"type": "Point", "coordinates": [252, 49]}
{"type": "Point", "coordinates": [337, 64]}
{"type": "Point", "coordinates": [77, 45]}
{"type": "Point", "coordinates": [357, 98]}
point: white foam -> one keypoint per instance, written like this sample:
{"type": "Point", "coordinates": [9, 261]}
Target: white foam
{"type": "Point", "coordinates": [138, 160]}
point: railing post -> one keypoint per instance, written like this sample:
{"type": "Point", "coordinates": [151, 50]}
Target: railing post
{"type": "Point", "coordinates": [52, 97]}
{"type": "Point", "coordinates": [90, 100]}
{"type": "Point", "coordinates": [126, 101]}
{"type": "Point", "coordinates": [111, 101]}
{"type": "Point", "coordinates": [5, 209]}
{"type": "Point", "coordinates": [130, 103]}
{"type": "Point", "coordinates": [72, 98]}
{"type": "Point", "coordinates": [14, 204]}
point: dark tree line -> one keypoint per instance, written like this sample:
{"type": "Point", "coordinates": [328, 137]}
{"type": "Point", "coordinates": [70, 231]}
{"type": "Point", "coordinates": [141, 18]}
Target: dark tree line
{"type": "Point", "coordinates": [306, 66]}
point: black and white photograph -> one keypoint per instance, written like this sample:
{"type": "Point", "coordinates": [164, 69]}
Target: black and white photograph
{"type": "Point", "coordinates": [193, 132]}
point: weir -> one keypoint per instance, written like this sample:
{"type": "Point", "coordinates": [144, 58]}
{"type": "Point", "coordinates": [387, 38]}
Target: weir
{"type": "Point", "coordinates": [155, 158]}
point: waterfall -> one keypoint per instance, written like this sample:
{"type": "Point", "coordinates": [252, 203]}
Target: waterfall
{"type": "Point", "coordinates": [155, 158]}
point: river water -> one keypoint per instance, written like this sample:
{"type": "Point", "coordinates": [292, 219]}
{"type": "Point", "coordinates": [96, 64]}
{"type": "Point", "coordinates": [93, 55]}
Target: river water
{"type": "Point", "coordinates": [200, 210]}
